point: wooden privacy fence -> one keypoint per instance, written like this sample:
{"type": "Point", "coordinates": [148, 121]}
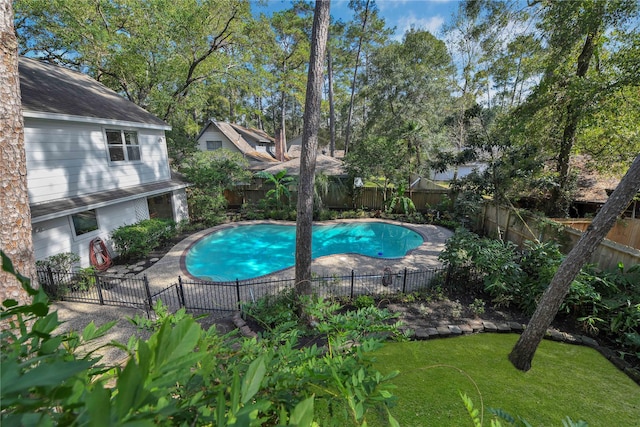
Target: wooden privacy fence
{"type": "Point", "coordinates": [519, 228]}
{"type": "Point", "coordinates": [368, 198]}
{"type": "Point", "coordinates": [625, 231]}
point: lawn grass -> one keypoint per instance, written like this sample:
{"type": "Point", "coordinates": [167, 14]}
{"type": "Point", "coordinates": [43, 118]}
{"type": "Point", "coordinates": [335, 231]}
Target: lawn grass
{"type": "Point", "coordinates": [565, 380]}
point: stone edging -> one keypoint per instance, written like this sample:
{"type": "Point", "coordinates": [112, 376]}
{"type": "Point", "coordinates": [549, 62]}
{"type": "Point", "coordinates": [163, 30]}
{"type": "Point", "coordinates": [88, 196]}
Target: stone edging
{"type": "Point", "coordinates": [478, 326]}
{"type": "Point", "coordinates": [242, 326]}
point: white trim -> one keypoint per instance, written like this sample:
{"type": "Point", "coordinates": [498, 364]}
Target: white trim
{"type": "Point", "coordinates": [94, 120]}
{"type": "Point", "coordinates": [123, 145]}
{"type": "Point", "coordinates": [83, 236]}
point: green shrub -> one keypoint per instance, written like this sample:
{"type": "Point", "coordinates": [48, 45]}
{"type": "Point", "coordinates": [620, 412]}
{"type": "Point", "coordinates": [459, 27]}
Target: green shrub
{"type": "Point", "coordinates": [273, 310]}
{"type": "Point", "coordinates": [351, 214]}
{"type": "Point", "coordinates": [254, 215]}
{"type": "Point", "coordinates": [364, 301]}
{"type": "Point", "coordinates": [181, 375]}
{"type": "Point", "coordinates": [59, 274]}
{"type": "Point", "coordinates": [279, 196]}
{"type": "Point", "coordinates": [205, 207]}
{"type": "Point", "coordinates": [325, 215]}
{"type": "Point", "coordinates": [85, 278]}
{"type": "Point", "coordinates": [59, 262]}
{"type": "Point", "coordinates": [400, 203]}
{"type": "Point", "coordinates": [477, 306]}
{"type": "Point", "coordinates": [137, 240]}
{"type": "Point", "coordinates": [416, 218]}
{"type": "Point", "coordinates": [605, 302]}
{"type": "Point", "coordinates": [284, 214]}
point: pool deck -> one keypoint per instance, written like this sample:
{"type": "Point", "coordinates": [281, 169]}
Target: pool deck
{"type": "Point", "coordinates": [165, 272]}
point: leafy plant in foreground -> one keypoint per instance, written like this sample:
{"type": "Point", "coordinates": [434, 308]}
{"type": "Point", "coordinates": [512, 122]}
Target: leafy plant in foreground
{"type": "Point", "coordinates": [342, 376]}
{"type": "Point", "coordinates": [41, 370]}
{"type": "Point", "coordinates": [181, 375]}
{"type": "Point", "coordinates": [501, 417]}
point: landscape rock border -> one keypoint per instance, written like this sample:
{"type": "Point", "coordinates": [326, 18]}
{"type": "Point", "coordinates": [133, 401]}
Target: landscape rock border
{"type": "Point", "coordinates": [483, 326]}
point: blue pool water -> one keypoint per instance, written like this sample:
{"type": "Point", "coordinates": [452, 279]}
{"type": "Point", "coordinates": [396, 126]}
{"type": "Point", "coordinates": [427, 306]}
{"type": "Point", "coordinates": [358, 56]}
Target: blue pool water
{"type": "Point", "coordinates": [249, 251]}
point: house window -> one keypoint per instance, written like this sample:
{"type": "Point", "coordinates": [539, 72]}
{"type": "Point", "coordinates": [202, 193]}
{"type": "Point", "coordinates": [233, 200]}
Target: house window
{"type": "Point", "coordinates": [123, 145]}
{"type": "Point", "coordinates": [214, 145]}
{"type": "Point", "coordinates": [160, 206]}
{"type": "Point", "coordinates": [84, 222]}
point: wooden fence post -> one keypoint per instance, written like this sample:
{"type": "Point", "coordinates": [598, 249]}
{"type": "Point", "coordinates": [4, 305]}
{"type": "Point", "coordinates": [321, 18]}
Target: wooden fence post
{"type": "Point", "coordinates": [506, 226]}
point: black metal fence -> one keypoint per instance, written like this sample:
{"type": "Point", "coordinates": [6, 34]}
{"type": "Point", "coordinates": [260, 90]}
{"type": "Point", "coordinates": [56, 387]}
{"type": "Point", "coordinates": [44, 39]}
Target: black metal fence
{"type": "Point", "coordinates": [94, 288]}
{"type": "Point", "coordinates": [221, 298]}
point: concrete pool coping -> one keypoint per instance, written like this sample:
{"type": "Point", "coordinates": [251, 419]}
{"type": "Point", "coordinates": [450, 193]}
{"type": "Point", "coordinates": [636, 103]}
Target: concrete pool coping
{"type": "Point", "coordinates": [165, 272]}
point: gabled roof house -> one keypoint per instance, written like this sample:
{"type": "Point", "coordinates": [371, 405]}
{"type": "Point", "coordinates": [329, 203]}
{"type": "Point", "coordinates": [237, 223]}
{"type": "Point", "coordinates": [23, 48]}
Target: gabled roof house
{"type": "Point", "coordinates": [95, 161]}
{"type": "Point", "coordinates": [255, 145]}
{"type": "Point", "coordinates": [257, 138]}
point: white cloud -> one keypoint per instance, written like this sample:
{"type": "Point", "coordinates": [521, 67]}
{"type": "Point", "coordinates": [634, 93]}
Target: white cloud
{"type": "Point", "coordinates": [431, 24]}
{"type": "Point", "coordinates": [384, 5]}
{"type": "Point", "coordinates": [389, 4]}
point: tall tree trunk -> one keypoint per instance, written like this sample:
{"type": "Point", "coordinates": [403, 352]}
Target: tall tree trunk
{"type": "Point", "coordinates": [280, 145]}
{"type": "Point", "coordinates": [353, 81]}
{"type": "Point", "coordinates": [232, 104]}
{"type": "Point", "coordinates": [310, 147]}
{"type": "Point", "coordinates": [332, 109]}
{"type": "Point", "coordinates": [283, 109]}
{"type": "Point", "coordinates": [524, 350]}
{"type": "Point", "coordinates": [15, 216]}
{"type": "Point", "coordinates": [559, 204]}
{"type": "Point", "coordinates": [259, 123]}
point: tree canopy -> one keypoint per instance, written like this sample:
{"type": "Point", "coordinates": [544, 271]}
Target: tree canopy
{"type": "Point", "coordinates": [522, 86]}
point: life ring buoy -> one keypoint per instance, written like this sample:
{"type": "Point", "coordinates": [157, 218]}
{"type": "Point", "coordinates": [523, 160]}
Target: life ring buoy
{"type": "Point", "coordinates": [99, 255]}
{"type": "Point", "coordinates": [387, 276]}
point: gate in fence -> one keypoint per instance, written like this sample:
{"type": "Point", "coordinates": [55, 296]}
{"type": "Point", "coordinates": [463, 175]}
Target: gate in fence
{"type": "Point", "coordinates": [94, 288]}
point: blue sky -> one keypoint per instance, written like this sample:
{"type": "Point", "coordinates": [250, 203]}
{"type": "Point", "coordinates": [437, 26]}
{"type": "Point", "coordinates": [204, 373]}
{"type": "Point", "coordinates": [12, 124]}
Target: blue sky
{"type": "Point", "coordinates": [402, 14]}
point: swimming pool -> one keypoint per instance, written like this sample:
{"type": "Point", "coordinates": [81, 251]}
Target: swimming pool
{"type": "Point", "coordinates": [248, 251]}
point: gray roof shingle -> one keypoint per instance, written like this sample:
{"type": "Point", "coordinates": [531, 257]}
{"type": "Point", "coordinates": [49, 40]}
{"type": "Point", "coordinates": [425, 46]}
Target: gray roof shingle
{"type": "Point", "coordinates": [48, 88]}
{"type": "Point", "coordinates": [70, 205]}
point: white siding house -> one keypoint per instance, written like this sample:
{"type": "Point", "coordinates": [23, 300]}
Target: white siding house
{"type": "Point", "coordinates": [254, 145]}
{"type": "Point", "coordinates": [95, 161]}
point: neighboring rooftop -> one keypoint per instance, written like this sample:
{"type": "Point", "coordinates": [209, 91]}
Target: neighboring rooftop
{"type": "Point", "coordinates": [327, 165]}
{"type": "Point", "coordinates": [53, 89]}
{"type": "Point", "coordinates": [256, 135]}
{"type": "Point", "coordinates": [295, 147]}
{"type": "Point", "coordinates": [229, 131]}
{"type": "Point", "coordinates": [592, 186]}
